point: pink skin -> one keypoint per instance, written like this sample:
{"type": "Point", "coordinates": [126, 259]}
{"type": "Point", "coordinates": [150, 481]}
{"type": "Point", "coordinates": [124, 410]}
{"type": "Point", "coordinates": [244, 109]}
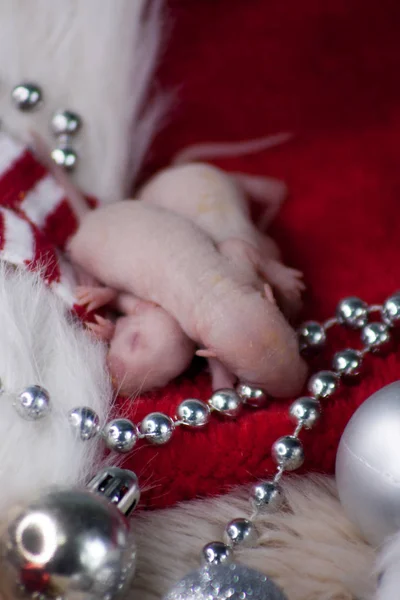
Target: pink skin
{"type": "Point", "coordinates": [217, 202]}
{"type": "Point", "coordinates": [219, 304]}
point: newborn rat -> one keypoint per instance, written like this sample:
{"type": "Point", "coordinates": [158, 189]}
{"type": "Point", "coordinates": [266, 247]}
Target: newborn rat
{"type": "Point", "coordinates": [155, 254]}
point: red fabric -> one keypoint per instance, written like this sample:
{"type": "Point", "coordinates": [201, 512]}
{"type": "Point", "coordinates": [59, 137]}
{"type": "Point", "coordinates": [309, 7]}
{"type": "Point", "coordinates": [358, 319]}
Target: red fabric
{"type": "Point", "coordinates": [329, 72]}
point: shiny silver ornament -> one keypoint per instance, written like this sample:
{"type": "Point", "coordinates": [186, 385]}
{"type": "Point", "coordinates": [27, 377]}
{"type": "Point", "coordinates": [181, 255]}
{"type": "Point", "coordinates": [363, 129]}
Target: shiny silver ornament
{"type": "Point", "coordinates": [216, 553]}
{"type": "Point", "coordinates": [311, 336]}
{"type": "Point", "coordinates": [120, 435]}
{"type": "Point", "coordinates": [65, 122]}
{"type": "Point", "coordinates": [391, 310]}
{"type": "Point", "coordinates": [68, 544]}
{"type": "Point", "coordinates": [240, 532]}
{"type": "Point", "coordinates": [227, 402]}
{"type": "Point", "coordinates": [225, 582]}
{"type": "Point", "coordinates": [193, 412]}
{"type": "Point", "coordinates": [348, 363]}
{"type": "Point", "coordinates": [157, 428]}
{"type": "Point", "coordinates": [376, 337]}
{"type": "Point", "coordinates": [323, 384]}
{"type": "Point", "coordinates": [252, 396]}
{"type": "Point", "coordinates": [65, 157]}
{"type": "Point", "coordinates": [85, 421]}
{"type": "Point", "coordinates": [305, 411]}
{"type": "Point", "coordinates": [288, 452]}
{"type": "Point", "coordinates": [268, 495]}
{"type": "Point", "coordinates": [352, 312]}
{"type": "Point", "coordinates": [26, 96]}
{"type": "Point", "coordinates": [33, 403]}
{"type": "Point", "coordinates": [368, 465]}
{"type": "Point", "coordinates": [119, 486]}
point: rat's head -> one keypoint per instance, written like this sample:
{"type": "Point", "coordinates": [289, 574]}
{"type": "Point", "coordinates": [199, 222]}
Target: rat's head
{"type": "Point", "coordinates": [250, 336]}
{"type": "Point", "coordinates": [147, 351]}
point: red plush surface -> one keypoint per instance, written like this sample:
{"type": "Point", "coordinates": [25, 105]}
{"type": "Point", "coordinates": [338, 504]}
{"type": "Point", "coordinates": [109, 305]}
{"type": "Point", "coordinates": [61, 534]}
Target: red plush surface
{"type": "Point", "coordinates": [329, 72]}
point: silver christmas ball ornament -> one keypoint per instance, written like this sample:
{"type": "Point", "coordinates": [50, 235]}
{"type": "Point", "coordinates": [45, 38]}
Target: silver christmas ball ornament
{"type": "Point", "coordinates": [240, 532]}
{"type": "Point", "coordinates": [352, 312]}
{"type": "Point", "coordinates": [193, 412]}
{"type": "Point", "coordinates": [226, 402]}
{"type": "Point", "coordinates": [323, 384]}
{"type": "Point", "coordinates": [157, 428]}
{"type": "Point", "coordinates": [305, 411]}
{"type": "Point", "coordinates": [120, 435]}
{"type": "Point", "coordinates": [65, 122]}
{"type": "Point", "coordinates": [216, 553]}
{"type": "Point", "coordinates": [376, 337]}
{"type": "Point", "coordinates": [288, 452]}
{"type": "Point", "coordinates": [267, 495]}
{"type": "Point", "coordinates": [348, 363]}
{"type": "Point", "coordinates": [65, 157]}
{"type": "Point", "coordinates": [33, 403]}
{"type": "Point", "coordinates": [391, 310]}
{"type": "Point", "coordinates": [85, 421]}
{"type": "Point", "coordinates": [119, 486]}
{"type": "Point", "coordinates": [311, 336]}
{"type": "Point", "coordinates": [368, 466]}
{"type": "Point", "coordinates": [252, 396]}
{"type": "Point", "coordinates": [26, 96]}
{"type": "Point", "coordinates": [229, 581]}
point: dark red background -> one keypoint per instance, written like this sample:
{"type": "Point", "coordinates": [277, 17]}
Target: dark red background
{"type": "Point", "coordinates": [329, 72]}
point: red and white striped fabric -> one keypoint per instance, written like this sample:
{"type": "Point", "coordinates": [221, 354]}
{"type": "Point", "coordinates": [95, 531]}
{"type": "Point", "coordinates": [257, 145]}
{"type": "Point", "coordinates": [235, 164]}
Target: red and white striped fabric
{"type": "Point", "coordinates": [36, 219]}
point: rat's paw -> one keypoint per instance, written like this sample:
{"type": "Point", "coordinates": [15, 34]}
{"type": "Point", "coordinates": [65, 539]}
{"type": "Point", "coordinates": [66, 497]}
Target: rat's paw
{"type": "Point", "coordinates": [289, 285]}
{"type": "Point", "coordinates": [93, 297]}
{"type": "Point", "coordinates": [102, 329]}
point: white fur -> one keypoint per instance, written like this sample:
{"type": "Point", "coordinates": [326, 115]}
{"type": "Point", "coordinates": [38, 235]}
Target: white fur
{"type": "Point", "coordinates": [95, 57]}
{"type": "Point", "coordinates": [388, 567]}
{"type": "Point", "coordinates": [39, 344]}
{"type": "Point", "coordinates": [311, 550]}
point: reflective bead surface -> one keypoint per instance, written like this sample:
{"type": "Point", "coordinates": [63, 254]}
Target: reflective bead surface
{"type": "Point", "coordinates": [33, 403]}
{"type": "Point", "coordinates": [226, 401]}
{"type": "Point", "coordinates": [391, 310]}
{"type": "Point", "coordinates": [119, 486]}
{"type": "Point", "coordinates": [268, 495]}
{"type": "Point", "coordinates": [193, 413]}
{"type": "Point", "coordinates": [305, 411]}
{"type": "Point", "coordinates": [241, 531]}
{"type": "Point", "coordinates": [26, 96]}
{"type": "Point", "coordinates": [157, 428]}
{"type": "Point", "coordinates": [323, 384]}
{"type": "Point", "coordinates": [65, 157]}
{"type": "Point", "coordinates": [120, 435]}
{"type": "Point", "coordinates": [376, 337]}
{"type": "Point", "coordinates": [288, 452]}
{"type": "Point", "coordinates": [216, 553]}
{"type": "Point", "coordinates": [352, 312]}
{"type": "Point", "coordinates": [311, 336]}
{"type": "Point", "coordinates": [65, 122]}
{"type": "Point", "coordinates": [348, 363]}
{"type": "Point", "coordinates": [252, 396]}
{"type": "Point", "coordinates": [85, 421]}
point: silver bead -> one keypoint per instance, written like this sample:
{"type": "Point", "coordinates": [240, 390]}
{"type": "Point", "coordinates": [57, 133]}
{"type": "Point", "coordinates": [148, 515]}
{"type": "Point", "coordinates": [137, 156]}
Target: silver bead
{"type": "Point", "coordinates": [240, 531]}
{"type": "Point", "coordinates": [323, 384]}
{"type": "Point", "coordinates": [252, 396]}
{"type": "Point", "coordinates": [391, 310]}
{"type": "Point", "coordinates": [120, 435]}
{"type": "Point", "coordinates": [226, 401]}
{"type": "Point", "coordinates": [157, 428]}
{"type": "Point", "coordinates": [233, 582]}
{"type": "Point", "coordinates": [352, 312]}
{"type": "Point", "coordinates": [119, 486]}
{"type": "Point", "coordinates": [85, 421]}
{"type": "Point", "coordinates": [193, 413]}
{"type": "Point", "coordinates": [67, 544]}
{"type": "Point", "coordinates": [33, 403]}
{"type": "Point", "coordinates": [26, 96]}
{"type": "Point", "coordinates": [268, 495]}
{"type": "Point", "coordinates": [216, 553]}
{"type": "Point", "coordinates": [65, 122]}
{"type": "Point", "coordinates": [288, 452]}
{"type": "Point", "coordinates": [348, 363]}
{"type": "Point", "coordinates": [376, 337]}
{"type": "Point", "coordinates": [65, 157]}
{"type": "Point", "coordinates": [311, 336]}
{"type": "Point", "coordinates": [305, 411]}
